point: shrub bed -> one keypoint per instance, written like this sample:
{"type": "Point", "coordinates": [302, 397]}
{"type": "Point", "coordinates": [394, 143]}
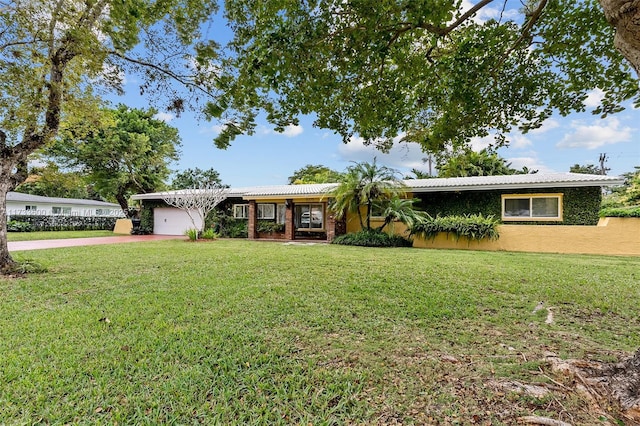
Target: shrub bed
{"type": "Point", "coordinates": [372, 238]}
{"type": "Point", "coordinates": [472, 227]}
{"type": "Point", "coordinates": [633, 211]}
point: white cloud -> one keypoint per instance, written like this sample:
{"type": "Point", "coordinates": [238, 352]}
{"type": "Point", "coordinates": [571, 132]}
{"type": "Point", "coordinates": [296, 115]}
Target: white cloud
{"type": "Point", "coordinates": [548, 125]}
{"type": "Point", "coordinates": [532, 163]}
{"type": "Point", "coordinates": [604, 132]}
{"type": "Point", "coordinates": [164, 116]}
{"type": "Point", "coordinates": [290, 131]}
{"type": "Point", "coordinates": [293, 130]}
{"type": "Point", "coordinates": [480, 143]}
{"type": "Point", "coordinates": [519, 141]}
{"type": "Point", "coordinates": [403, 155]}
{"type": "Point", "coordinates": [486, 13]}
{"type": "Point", "coordinates": [594, 98]}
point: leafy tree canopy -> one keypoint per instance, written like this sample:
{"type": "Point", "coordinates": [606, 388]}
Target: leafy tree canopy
{"type": "Point", "coordinates": [422, 69]}
{"type": "Point", "coordinates": [314, 174]}
{"type": "Point", "coordinates": [129, 153]}
{"type": "Point", "coordinates": [49, 181]}
{"type": "Point", "coordinates": [56, 57]}
{"type": "Point", "coordinates": [196, 178]}
{"type": "Point", "coordinates": [588, 169]}
{"type": "Point", "coordinates": [471, 163]}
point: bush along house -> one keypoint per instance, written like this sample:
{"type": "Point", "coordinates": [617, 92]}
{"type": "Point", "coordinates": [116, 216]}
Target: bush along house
{"type": "Point", "coordinates": [290, 212]}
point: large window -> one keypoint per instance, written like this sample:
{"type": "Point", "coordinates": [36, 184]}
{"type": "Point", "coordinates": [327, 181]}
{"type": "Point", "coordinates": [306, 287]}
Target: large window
{"type": "Point", "coordinates": [61, 210]}
{"type": "Point", "coordinates": [266, 211]}
{"type": "Point", "coordinates": [309, 216]}
{"type": "Point", "coordinates": [281, 213]}
{"type": "Point", "coordinates": [532, 207]}
{"type": "Point", "coordinates": [241, 211]}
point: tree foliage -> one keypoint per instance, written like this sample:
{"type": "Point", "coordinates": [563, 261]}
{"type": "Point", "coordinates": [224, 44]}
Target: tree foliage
{"type": "Point", "coordinates": [129, 153]}
{"type": "Point", "coordinates": [426, 70]}
{"type": "Point", "coordinates": [365, 186]}
{"type": "Point", "coordinates": [472, 163]}
{"type": "Point", "coordinates": [57, 56]}
{"type": "Point", "coordinates": [49, 181]}
{"type": "Point", "coordinates": [589, 169]}
{"type": "Point", "coordinates": [195, 178]}
{"type": "Point", "coordinates": [314, 174]}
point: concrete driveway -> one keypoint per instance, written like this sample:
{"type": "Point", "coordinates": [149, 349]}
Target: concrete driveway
{"type": "Point", "coordinates": [76, 242]}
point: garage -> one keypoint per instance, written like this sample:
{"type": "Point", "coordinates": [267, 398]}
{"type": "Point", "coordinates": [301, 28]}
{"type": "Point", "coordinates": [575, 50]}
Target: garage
{"type": "Point", "coordinates": [171, 221]}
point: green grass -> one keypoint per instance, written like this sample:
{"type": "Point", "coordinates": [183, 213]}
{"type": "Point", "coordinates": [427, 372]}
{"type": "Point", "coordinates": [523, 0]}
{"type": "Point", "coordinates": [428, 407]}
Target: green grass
{"type": "Point", "coordinates": [239, 332]}
{"type": "Point", "coordinates": [56, 235]}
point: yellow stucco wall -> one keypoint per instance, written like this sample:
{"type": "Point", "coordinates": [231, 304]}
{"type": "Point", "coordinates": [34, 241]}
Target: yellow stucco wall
{"type": "Point", "coordinates": [612, 236]}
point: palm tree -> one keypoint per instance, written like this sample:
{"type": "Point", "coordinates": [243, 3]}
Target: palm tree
{"type": "Point", "coordinates": [401, 209]}
{"type": "Point", "coordinates": [365, 184]}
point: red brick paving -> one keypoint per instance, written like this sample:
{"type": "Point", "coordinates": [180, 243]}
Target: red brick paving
{"type": "Point", "coordinates": [76, 242]}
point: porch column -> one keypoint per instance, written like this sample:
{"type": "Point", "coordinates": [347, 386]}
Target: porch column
{"type": "Point", "coordinates": [331, 226]}
{"type": "Point", "coordinates": [251, 223]}
{"type": "Point", "coordinates": [289, 226]}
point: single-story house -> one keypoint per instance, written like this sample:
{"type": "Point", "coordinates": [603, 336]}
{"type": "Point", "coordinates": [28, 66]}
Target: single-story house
{"type": "Point", "coordinates": [19, 204]}
{"type": "Point", "coordinates": [302, 210]}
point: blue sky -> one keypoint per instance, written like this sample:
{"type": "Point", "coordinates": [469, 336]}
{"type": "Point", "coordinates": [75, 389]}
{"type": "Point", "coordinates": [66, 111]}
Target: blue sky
{"type": "Point", "coordinates": [269, 158]}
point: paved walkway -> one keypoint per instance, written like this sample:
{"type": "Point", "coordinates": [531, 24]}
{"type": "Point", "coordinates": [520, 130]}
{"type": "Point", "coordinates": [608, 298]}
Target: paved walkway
{"type": "Point", "coordinates": [76, 242]}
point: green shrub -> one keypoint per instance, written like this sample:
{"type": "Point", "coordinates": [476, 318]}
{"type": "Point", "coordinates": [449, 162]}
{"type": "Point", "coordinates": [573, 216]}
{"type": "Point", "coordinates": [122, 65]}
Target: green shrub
{"type": "Point", "coordinates": [192, 234]}
{"type": "Point", "coordinates": [209, 234]}
{"type": "Point", "coordinates": [268, 226]}
{"type": "Point", "coordinates": [372, 238]}
{"type": "Point", "coordinates": [633, 211]}
{"type": "Point", "coordinates": [17, 226]}
{"type": "Point", "coordinates": [473, 227]}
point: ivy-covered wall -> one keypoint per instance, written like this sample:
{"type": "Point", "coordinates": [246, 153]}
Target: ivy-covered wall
{"type": "Point", "coordinates": [580, 205]}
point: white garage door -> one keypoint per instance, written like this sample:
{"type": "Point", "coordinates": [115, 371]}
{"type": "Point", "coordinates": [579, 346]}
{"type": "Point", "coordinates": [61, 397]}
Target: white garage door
{"type": "Point", "coordinates": [170, 221]}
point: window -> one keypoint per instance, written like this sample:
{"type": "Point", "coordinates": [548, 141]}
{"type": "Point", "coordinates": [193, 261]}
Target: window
{"type": "Point", "coordinates": [61, 210]}
{"type": "Point", "coordinates": [280, 213]}
{"type": "Point", "coordinates": [266, 211]}
{"type": "Point", "coordinates": [537, 207]}
{"type": "Point", "coordinates": [30, 208]}
{"type": "Point", "coordinates": [241, 211]}
{"type": "Point", "coordinates": [309, 216]}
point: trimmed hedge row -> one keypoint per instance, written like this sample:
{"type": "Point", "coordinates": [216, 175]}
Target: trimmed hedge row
{"type": "Point", "coordinates": [620, 212]}
{"type": "Point", "coordinates": [473, 227]}
{"type": "Point", "coordinates": [61, 223]}
{"type": "Point", "coordinates": [372, 238]}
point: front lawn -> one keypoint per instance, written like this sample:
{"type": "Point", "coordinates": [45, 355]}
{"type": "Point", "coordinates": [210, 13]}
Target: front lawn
{"type": "Point", "coordinates": [56, 235]}
{"type": "Point", "coordinates": [240, 332]}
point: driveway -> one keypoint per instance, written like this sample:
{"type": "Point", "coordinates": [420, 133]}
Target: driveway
{"type": "Point", "coordinates": [76, 242]}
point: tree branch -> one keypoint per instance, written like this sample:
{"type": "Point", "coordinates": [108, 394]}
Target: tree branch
{"type": "Point", "coordinates": [179, 78]}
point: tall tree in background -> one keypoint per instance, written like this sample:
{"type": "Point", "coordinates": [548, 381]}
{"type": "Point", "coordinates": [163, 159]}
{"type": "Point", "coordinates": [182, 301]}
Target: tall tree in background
{"type": "Point", "coordinates": [50, 181]}
{"type": "Point", "coordinates": [56, 55]}
{"type": "Point", "coordinates": [314, 174]}
{"type": "Point", "coordinates": [130, 153]}
{"type": "Point", "coordinates": [196, 178]}
{"type": "Point", "coordinates": [472, 163]}
{"type": "Point", "coordinates": [430, 71]}
{"type": "Point", "coordinates": [589, 169]}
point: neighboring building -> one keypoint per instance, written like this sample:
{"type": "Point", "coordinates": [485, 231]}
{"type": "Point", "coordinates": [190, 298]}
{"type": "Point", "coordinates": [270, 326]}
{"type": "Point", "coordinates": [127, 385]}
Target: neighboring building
{"type": "Point", "coordinates": [558, 198]}
{"type": "Point", "coordinates": [19, 204]}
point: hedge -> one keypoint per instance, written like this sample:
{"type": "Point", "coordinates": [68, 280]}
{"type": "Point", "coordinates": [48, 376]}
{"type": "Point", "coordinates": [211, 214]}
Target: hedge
{"type": "Point", "coordinates": [66, 223]}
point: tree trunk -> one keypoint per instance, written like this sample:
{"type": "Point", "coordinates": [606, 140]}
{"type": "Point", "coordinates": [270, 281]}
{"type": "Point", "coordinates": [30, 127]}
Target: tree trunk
{"type": "Point", "coordinates": [624, 16]}
{"type": "Point", "coordinates": [6, 261]}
